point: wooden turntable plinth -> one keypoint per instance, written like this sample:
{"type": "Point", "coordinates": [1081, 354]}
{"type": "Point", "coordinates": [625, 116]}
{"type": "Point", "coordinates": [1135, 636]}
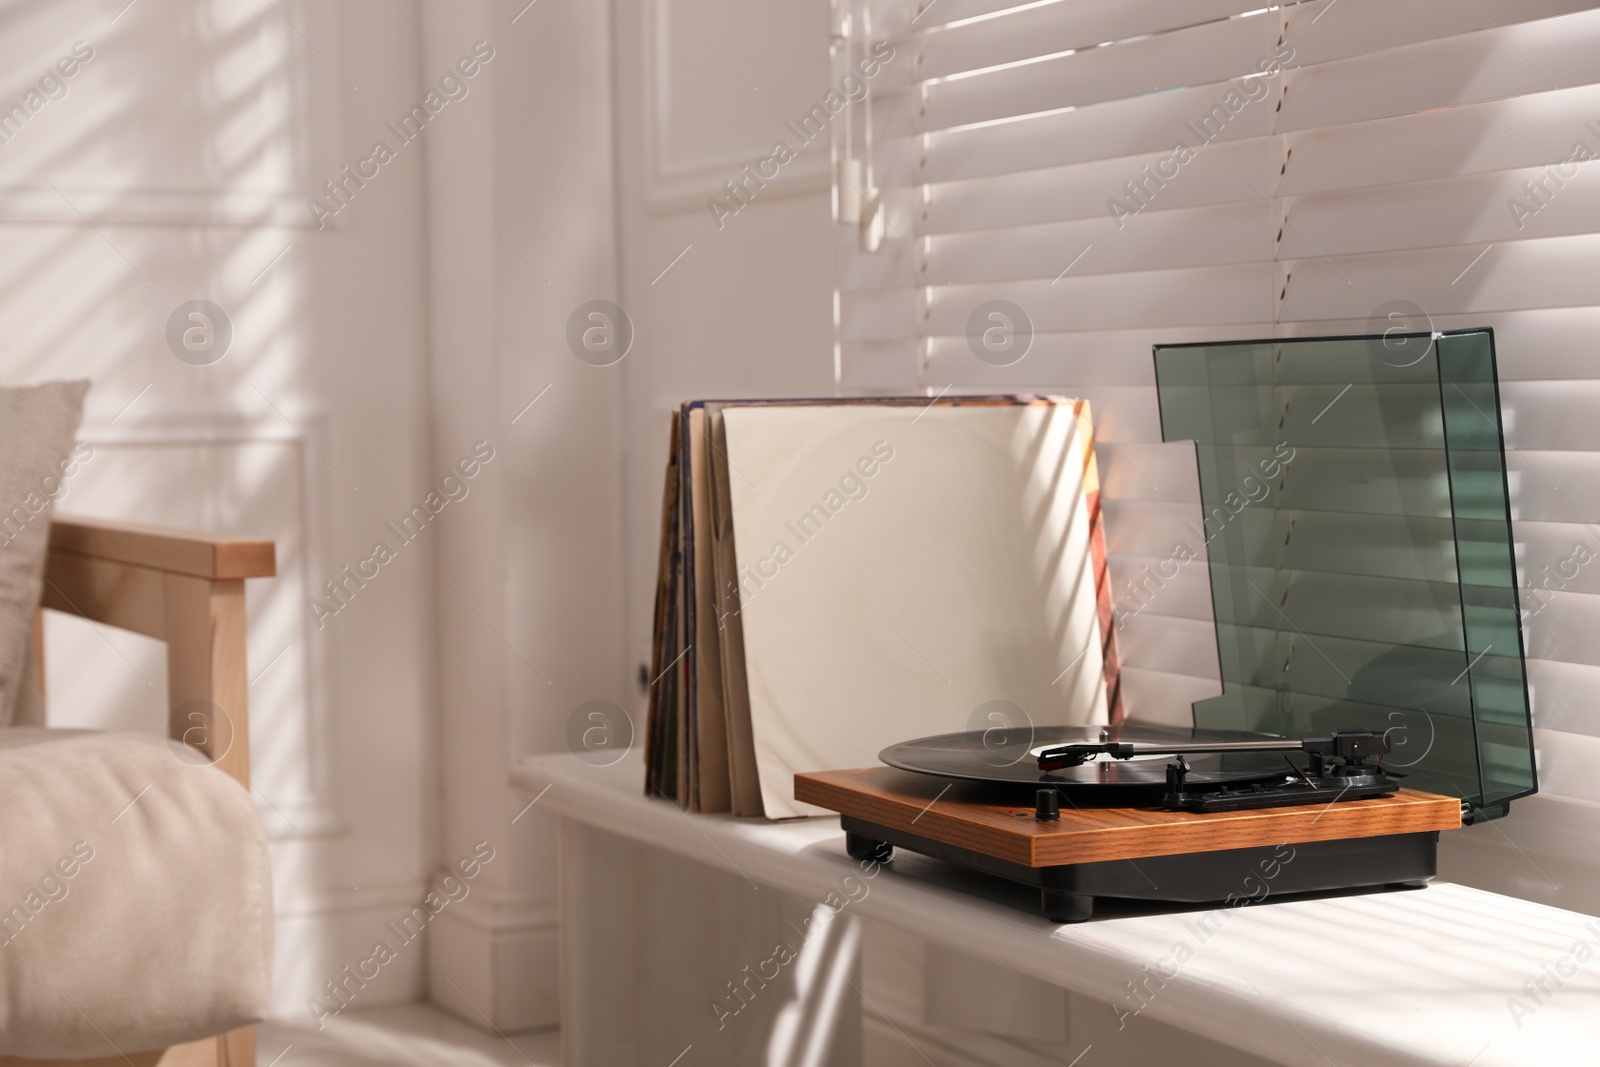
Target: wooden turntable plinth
{"type": "Point", "coordinates": [950, 813]}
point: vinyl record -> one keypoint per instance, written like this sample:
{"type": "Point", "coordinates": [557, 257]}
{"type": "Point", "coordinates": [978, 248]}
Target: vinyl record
{"type": "Point", "coordinates": [1010, 757]}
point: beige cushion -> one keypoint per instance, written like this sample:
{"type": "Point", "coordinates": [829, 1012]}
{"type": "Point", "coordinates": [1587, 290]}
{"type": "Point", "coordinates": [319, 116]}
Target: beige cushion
{"type": "Point", "coordinates": [36, 457]}
{"type": "Point", "coordinates": [135, 897]}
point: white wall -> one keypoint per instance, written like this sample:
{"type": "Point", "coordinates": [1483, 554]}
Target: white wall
{"type": "Point", "coordinates": [176, 167]}
{"type": "Point", "coordinates": [529, 590]}
{"type": "Point", "coordinates": [367, 358]}
{"type": "Point", "coordinates": [704, 87]}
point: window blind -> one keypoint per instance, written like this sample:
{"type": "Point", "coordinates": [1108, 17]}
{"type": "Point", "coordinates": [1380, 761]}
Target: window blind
{"type": "Point", "coordinates": [1127, 174]}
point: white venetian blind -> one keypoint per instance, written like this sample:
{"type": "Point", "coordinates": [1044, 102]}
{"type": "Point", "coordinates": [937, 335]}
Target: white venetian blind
{"type": "Point", "coordinates": [1349, 166]}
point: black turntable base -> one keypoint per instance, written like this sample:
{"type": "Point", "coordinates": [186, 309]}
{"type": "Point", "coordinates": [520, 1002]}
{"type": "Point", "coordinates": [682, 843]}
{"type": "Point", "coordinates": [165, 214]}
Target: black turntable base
{"type": "Point", "coordinates": [1123, 832]}
{"type": "Point", "coordinates": [1235, 875]}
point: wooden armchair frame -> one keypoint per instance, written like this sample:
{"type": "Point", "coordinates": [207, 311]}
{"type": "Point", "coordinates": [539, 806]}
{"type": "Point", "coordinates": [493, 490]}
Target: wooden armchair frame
{"type": "Point", "coordinates": [185, 589]}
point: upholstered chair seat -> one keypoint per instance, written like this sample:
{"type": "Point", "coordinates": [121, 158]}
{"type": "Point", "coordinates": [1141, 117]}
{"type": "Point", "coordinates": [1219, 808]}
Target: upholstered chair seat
{"type": "Point", "coordinates": [135, 896]}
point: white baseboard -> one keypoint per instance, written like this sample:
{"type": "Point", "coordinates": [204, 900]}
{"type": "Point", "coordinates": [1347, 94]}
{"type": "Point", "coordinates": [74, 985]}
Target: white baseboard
{"type": "Point", "coordinates": [317, 937]}
{"type": "Point", "coordinates": [491, 963]}
{"type": "Point", "coordinates": [494, 964]}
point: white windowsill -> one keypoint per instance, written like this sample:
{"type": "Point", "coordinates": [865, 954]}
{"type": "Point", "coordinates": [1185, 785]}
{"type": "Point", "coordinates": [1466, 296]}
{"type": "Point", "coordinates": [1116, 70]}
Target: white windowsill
{"type": "Point", "coordinates": [1419, 977]}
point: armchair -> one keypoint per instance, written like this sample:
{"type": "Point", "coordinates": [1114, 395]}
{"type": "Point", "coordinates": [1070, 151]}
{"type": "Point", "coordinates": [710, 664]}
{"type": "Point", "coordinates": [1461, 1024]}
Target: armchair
{"type": "Point", "coordinates": [187, 590]}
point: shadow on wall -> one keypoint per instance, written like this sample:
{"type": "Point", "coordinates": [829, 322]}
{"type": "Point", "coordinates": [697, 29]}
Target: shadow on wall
{"type": "Point", "coordinates": [155, 158]}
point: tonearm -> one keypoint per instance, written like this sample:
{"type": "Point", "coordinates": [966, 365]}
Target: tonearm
{"type": "Point", "coordinates": [1348, 746]}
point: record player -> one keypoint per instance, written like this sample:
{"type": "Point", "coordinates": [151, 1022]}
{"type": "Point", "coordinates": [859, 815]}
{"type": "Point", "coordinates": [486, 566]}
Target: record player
{"type": "Point", "coordinates": [1355, 526]}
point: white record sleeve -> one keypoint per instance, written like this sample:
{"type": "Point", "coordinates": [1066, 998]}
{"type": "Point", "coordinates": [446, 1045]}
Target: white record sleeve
{"type": "Point", "coordinates": [905, 571]}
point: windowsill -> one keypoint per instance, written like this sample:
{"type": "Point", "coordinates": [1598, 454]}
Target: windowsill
{"type": "Point", "coordinates": [1410, 977]}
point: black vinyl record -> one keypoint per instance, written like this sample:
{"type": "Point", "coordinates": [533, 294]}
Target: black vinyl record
{"type": "Point", "coordinates": [1010, 757]}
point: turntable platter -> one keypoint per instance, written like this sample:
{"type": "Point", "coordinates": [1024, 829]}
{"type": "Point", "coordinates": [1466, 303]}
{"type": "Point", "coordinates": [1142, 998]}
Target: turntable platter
{"type": "Point", "coordinates": [1009, 756]}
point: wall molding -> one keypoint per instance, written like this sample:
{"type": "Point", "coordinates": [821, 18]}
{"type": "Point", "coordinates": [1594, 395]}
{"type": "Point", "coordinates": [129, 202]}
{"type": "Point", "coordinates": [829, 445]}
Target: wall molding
{"type": "Point", "coordinates": [35, 203]}
{"type": "Point", "coordinates": [673, 186]}
{"type": "Point", "coordinates": [313, 812]}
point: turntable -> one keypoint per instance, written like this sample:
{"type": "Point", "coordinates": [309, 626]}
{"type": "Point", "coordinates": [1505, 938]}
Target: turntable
{"type": "Point", "coordinates": [1356, 530]}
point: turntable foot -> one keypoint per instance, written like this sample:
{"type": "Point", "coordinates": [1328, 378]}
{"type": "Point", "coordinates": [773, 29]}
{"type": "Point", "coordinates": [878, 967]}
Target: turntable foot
{"type": "Point", "coordinates": [865, 848]}
{"type": "Point", "coordinates": [1061, 907]}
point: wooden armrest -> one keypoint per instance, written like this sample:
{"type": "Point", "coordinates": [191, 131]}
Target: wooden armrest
{"type": "Point", "coordinates": [186, 589]}
{"type": "Point", "coordinates": [163, 549]}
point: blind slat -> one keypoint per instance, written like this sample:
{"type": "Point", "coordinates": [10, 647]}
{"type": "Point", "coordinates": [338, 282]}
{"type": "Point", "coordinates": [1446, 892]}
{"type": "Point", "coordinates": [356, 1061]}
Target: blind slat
{"type": "Point", "coordinates": [1490, 64]}
{"type": "Point", "coordinates": [1554, 272]}
{"type": "Point", "coordinates": [1150, 637]}
{"type": "Point", "coordinates": [1547, 272]}
{"type": "Point", "coordinates": [1324, 30]}
{"type": "Point", "coordinates": [1159, 696]}
{"type": "Point", "coordinates": [1151, 123]}
{"type": "Point", "coordinates": [1548, 487]}
{"type": "Point", "coordinates": [1188, 645]}
{"type": "Point", "coordinates": [1083, 190]}
{"type": "Point", "coordinates": [1169, 643]}
{"type": "Point", "coordinates": [1044, 31]}
{"type": "Point", "coordinates": [1184, 592]}
{"type": "Point", "coordinates": [1206, 54]}
{"type": "Point", "coordinates": [1113, 20]}
{"type": "Point", "coordinates": [1563, 696]}
{"type": "Point", "coordinates": [1106, 302]}
{"type": "Point", "coordinates": [1528, 131]}
{"type": "Point", "coordinates": [1209, 236]}
{"type": "Point", "coordinates": [1148, 529]}
{"type": "Point", "coordinates": [1554, 344]}
{"type": "Point", "coordinates": [1470, 211]}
